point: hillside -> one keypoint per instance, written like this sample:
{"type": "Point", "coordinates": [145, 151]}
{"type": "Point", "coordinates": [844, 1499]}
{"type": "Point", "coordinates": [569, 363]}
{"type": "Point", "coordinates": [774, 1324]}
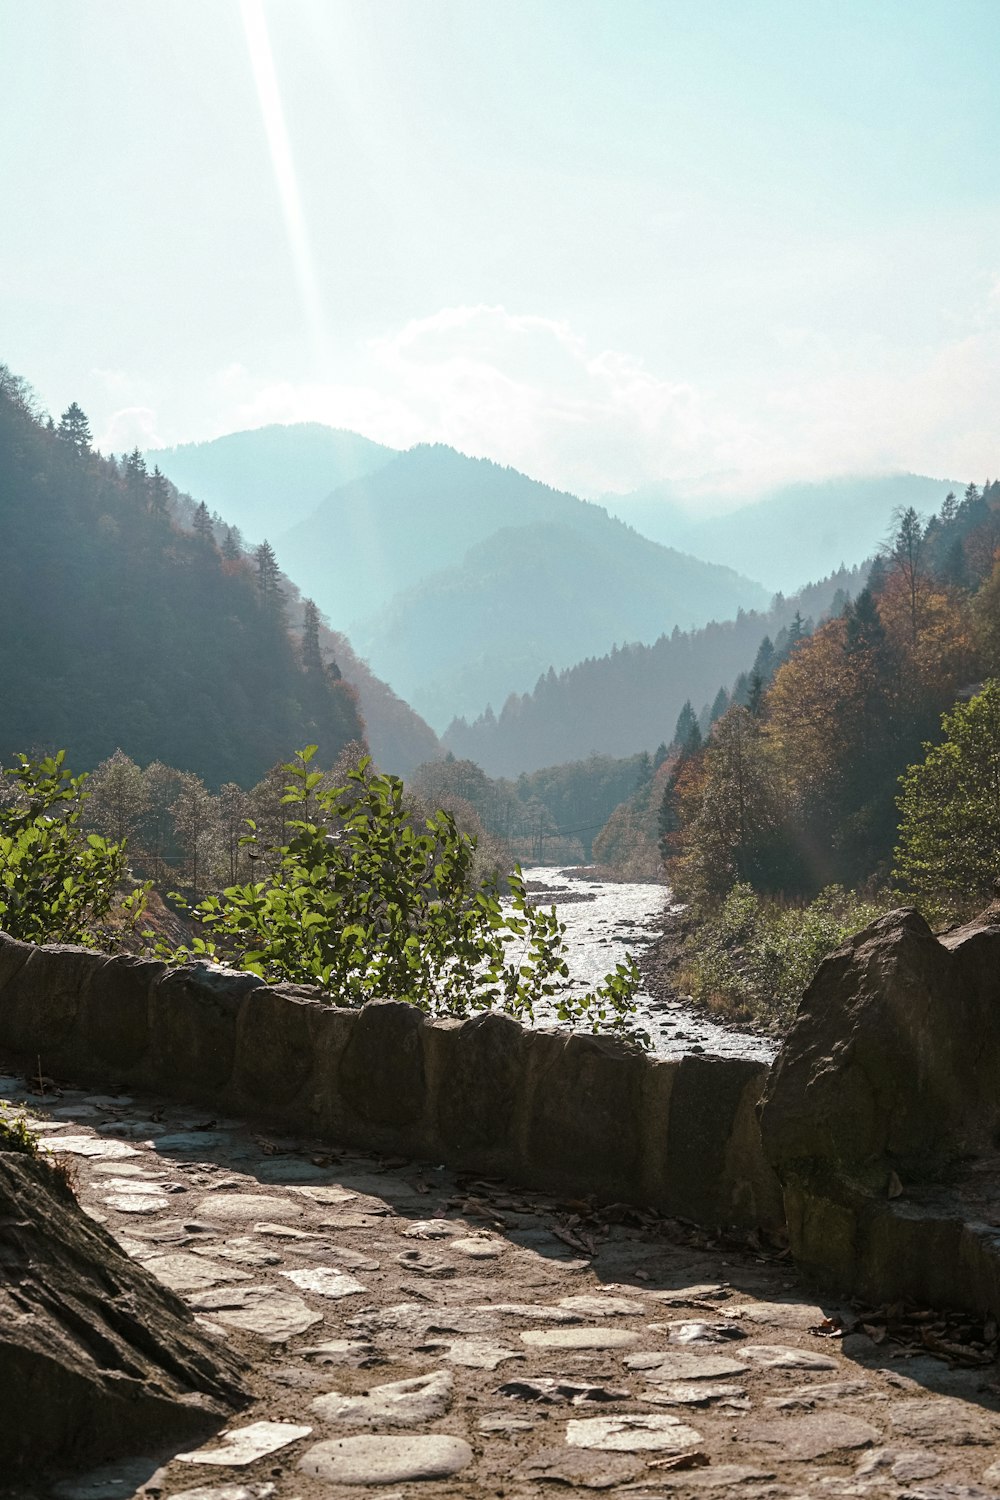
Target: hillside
{"type": "Point", "coordinates": [789, 534]}
{"type": "Point", "coordinates": [628, 700]}
{"type": "Point", "coordinates": [268, 479]}
{"type": "Point", "coordinates": [118, 628]}
{"type": "Point", "coordinates": [489, 575]}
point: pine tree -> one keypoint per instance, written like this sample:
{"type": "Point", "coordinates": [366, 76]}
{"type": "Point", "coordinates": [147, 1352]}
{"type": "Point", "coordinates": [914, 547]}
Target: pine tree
{"type": "Point", "coordinates": [201, 525]}
{"type": "Point", "coordinates": [159, 493]}
{"type": "Point", "coordinates": [74, 429]}
{"type": "Point", "coordinates": [269, 590]}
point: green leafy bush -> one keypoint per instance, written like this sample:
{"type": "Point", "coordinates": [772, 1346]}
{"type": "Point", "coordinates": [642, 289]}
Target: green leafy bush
{"type": "Point", "coordinates": [57, 883]}
{"type": "Point", "coordinates": [367, 901]}
{"type": "Point", "coordinates": [16, 1134]}
{"type": "Point", "coordinates": [754, 957]}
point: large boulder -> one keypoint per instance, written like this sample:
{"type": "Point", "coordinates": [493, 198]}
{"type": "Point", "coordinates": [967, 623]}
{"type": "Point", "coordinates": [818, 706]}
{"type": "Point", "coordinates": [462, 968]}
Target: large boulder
{"type": "Point", "coordinates": [881, 1115]}
{"type": "Point", "coordinates": [97, 1359]}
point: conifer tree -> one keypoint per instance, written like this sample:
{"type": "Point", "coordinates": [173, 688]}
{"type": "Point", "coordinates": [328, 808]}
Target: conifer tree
{"type": "Point", "coordinates": [74, 429]}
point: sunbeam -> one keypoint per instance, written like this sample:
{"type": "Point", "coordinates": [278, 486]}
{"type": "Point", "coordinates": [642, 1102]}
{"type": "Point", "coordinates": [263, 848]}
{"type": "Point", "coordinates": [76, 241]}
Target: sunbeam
{"type": "Point", "coordinates": [273, 116]}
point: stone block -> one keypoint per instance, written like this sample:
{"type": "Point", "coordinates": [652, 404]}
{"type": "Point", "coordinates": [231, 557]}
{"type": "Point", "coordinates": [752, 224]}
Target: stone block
{"type": "Point", "coordinates": [584, 1119]}
{"type": "Point", "coordinates": [193, 1014]}
{"type": "Point", "coordinates": [40, 1002]}
{"type": "Point", "coordinates": [381, 1072]}
{"type": "Point", "coordinates": [277, 1033]}
{"type": "Point", "coordinates": [704, 1107]}
{"type": "Point", "coordinates": [478, 1088]}
{"type": "Point", "coordinates": [113, 1026]}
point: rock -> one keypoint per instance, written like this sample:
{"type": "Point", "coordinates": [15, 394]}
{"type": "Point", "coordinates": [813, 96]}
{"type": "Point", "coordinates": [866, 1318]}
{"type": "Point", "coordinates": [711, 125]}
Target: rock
{"type": "Point", "coordinates": [136, 1203]}
{"type": "Point", "coordinates": [947, 1492]}
{"type": "Point", "coordinates": [477, 1249]}
{"type": "Point", "coordinates": [431, 1229]}
{"type": "Point", "coordinates": [778, 1357]}
{"type": "Point", "coordinates": [904, 1464]}
{"type": "Point", "coordinates": [684, 1364]}
{"type": "Point", "coordinates": [890, 1074]}
{"type": "Point", "coordinates": [812, 1436]}
{"type": "Point", "coordinates": [273, 1314]}
{"type": "Point", "coordinates": [324, 1281]}
{"type": "Point", "coordinates": [536, 1311]}
{"type": "Point", "coordinates": [699, 1393]}
{"type": "Point", "coordinates": [191, 1273]}
{"type": "Point", "coordinates": [560, 1392]}
{"type": "Point", "coordinates": [632, 1434]}
{"type": "Point", "coordinates": [501, 1422]}
{"type": "Point", "coordinates": [381, 1072]}
{"type": "Point", "coordinates": [806, 1397]}
{"type": "Point", "coordinates": [938, 1421]}
{"type": "Point", "coordinates": [331, 1195]}
{"type": "Point", "coordinates": [89, 1145]}
{"type": "Point", "coordinates": [115, 1481]}
{"type": "Point", "coordinates": [580, 1338]}
{"type": "Point", "coordinates": [400, 1403]}
{"type": "Point", "coordinates": [245, 1206]}
{"type": "Point", "coordinates": [244, 1445]}
{"type": "Point", "coordinates": [589, 1306]}
{"type": "Point", "coordinates": [226, 1492]}
{"type": "Point", "coordinates": [585, 1467]}
{"type": "Point", "coordinates": [474, 1354]}
{"type": "Point", "coordinates": [340, 1352]}
{"type": "Point", "coordinates": [422, 1263]}
{"type": "Point", "coordinates": [699, 1333]}
{"type": "Point", "coordinates": [386, 1460]}
{"type": "Point", "coordinates": [99, 1359]}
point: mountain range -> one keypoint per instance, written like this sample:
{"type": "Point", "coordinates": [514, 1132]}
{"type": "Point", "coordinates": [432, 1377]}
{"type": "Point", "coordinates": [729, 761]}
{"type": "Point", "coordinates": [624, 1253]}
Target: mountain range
{"type": "Point", "coordinates": [787, 535]}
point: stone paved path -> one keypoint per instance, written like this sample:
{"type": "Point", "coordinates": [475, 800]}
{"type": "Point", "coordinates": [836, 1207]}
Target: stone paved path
{"type": "Point", "coordinates": [409, 1332]}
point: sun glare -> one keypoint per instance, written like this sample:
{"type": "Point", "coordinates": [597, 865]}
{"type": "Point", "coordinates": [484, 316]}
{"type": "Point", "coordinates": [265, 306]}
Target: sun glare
{"type": "Point", "coordinates": [273, 116]}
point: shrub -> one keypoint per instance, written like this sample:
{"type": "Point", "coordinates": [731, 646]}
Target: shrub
{"type": "Point", "coordinates": [57, 883]}
{"type": "Point", "coordinates": [368, 900]}
{"type": "Point", "coordinates": [753, 959]}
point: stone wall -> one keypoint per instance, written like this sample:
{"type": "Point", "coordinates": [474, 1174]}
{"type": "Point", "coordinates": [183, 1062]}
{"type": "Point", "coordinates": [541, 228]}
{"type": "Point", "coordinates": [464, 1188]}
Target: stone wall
{"type": "Point", "coordinates": [576, 1113]}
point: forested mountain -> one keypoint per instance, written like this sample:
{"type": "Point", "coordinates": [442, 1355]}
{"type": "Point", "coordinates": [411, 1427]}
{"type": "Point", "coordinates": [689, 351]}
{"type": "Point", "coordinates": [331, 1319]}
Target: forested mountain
{"type": "Point", "coordinates": [268, 479]}
{"type": "Point", "coordinates": [629, 700]}
{"type": "Point", "coordinates": [120, 628]}
{"type": "Point", "coordinates": [464, 579]}
{"type": "Point", "coordinates": [398, 737]}
{"type": "Point", "coordinates": [788, 534]}
{"type": "Point", "coordinates": [801, 788]}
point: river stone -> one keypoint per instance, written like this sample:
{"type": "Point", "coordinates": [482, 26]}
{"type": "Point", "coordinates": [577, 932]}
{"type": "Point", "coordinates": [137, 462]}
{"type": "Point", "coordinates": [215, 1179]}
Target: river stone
{"type": "Point", "coordinates": [90, 1145]}
{"type": "Point", "coordinates": [243, 1206]}
{"type": "Point", "coordinates": [326, 1250]}
{"type": "Point", "coordinates": [432, 1229]}
{"type": "Point", "coordinates": [937, 1421]}
{"type": "Point", "coordinates": [778, 1357]}
{"type": "Point", "coordinates": [582, 1467]}
{"type": "Point", "coordinates": [244, 1445]}
{"type": "Point", "coordinates": [805, 1397]}
{"type": "Point", "coordinates": [699, 1333]}
{"type": "Point", "coordinates": [242, 1251]}
{"type": "Point", "coordinates": [136, 1203]}
{"type": "Point", "coordinates": [810, 1437]}
{"type": "Point", "coordinates": [400, 1403]}
{"type": "Point", "coordinates": [905, 1464]}
{"type": "Point", "coordinates": [191, 1273]}
{"type": "Point", "coordinates": [557, 1392]}
{"type": "Point", "coordinates": [580, 1338]}
{"type": "Point", "coordinates": [632, 1434]}
{"type": "Point", "coordinates": [589, 1306]}
{"type": "Point", "coordinates": [386, 1460]}
{"type": "Point", "coordinates": [684, 1364]}
{"type": "Point", "coordinates": [267, 1311]}
{"type": "Point", "coordinates": [340, 1352]}
{"type": "Point", "coordinates": [478, 1249]}
{"type": "Point", "coordinates": [425, 1264]}
{"type": "Point", "coordinates": [324, 1281]}
{"type": "Point", "coordinates": [538, 1312]}
{"type": "Point", "coordinates": [473, 1354]}
{"type": "Point", "coordinates": [329, 1194]}
{"type": "Point", "coordinates": [778, 1314]}
{"type": "Point", "coordinates": [226, 1492]}
{"type": "Point", "coordinates": [698, 1393]}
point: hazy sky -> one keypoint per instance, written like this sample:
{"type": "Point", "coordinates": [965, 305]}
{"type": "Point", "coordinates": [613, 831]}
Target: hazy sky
{"type": "Point", "coordinates": [603, 240]}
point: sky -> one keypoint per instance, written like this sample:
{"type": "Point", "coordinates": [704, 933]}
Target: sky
{"type": "Point", "coordinates": [610, 242]}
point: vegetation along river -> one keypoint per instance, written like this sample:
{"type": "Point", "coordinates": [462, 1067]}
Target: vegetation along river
{"type": "Point", "coordinates": [607, 920]}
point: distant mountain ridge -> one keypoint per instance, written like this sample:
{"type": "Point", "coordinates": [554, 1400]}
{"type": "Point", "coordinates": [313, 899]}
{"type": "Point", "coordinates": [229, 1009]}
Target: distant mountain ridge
{"type": "Point", "coordinates": [789, 534]}
{"type": "Point", "coordinates": [269, 478]}
{"type": "Point", "coordinates": [448, 570]}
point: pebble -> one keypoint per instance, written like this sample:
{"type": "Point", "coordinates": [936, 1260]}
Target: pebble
{"type": "Point", "coordinates": [386, 1460]}
{"type": "Point", "coordinates": [400, 1403]}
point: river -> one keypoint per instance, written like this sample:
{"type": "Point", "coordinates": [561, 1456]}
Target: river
{"type": "Point", "coordinates": [606, 921]}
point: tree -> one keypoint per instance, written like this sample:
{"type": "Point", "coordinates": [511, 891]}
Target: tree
{"type": "Point", "coordinates": [74, 429]}
{"type": "Point", "coordinates": [687, 734]}
{"type": "Point", "coordinates": [905, 553]}
{"type": "Point", "coordinates": [949, 832]}
{"type": "Point", "coordinates": [201, 525]}
{"type": "Point", "coordinates": [118, 797]}
{"type": "Point", "coordinates": [196, 827]}
{"type": "Point", "coordinates": [269, 590]}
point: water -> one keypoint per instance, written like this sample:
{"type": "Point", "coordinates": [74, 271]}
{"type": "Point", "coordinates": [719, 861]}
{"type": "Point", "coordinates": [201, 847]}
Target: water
{"type": "Point", "coordinates": [606, 921]}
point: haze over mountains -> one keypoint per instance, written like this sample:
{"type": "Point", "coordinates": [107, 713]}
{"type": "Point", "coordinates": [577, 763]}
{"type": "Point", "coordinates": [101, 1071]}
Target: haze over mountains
{"type": "Point", "coordinates": [789, 535]}
{"type": "Point", "coordinates": [462, 581]}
